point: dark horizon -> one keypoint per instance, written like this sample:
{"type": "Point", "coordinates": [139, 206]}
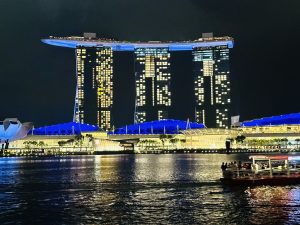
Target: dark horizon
{"type": "Point", "coordinates": [38, 81]}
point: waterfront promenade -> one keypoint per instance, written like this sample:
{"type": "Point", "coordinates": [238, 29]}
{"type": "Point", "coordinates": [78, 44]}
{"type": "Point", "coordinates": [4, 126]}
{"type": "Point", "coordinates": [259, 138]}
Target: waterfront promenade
{"type": "Point", "coordinates": [13, 152]}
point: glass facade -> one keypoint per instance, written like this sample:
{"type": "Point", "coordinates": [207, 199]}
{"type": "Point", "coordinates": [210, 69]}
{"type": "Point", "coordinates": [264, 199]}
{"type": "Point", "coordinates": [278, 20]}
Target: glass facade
{"type": "Point", "coordinates": [212, 86]}
{"type": "Point", "coordinates": [94, 94]}
{"type": "Point", "coordinates": [152, 82]}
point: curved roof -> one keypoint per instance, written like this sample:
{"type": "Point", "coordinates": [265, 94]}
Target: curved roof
{"type": "Point", "coordinates": [71, 128]}
{"type": "Point", "coordinates": [12, 129]}
{"type": "Point", "coordinates": [158, 127]}
{"type": "Point", "coordinates": [73, 42]}
{"type": "Point", "coordinates": [286, 119]}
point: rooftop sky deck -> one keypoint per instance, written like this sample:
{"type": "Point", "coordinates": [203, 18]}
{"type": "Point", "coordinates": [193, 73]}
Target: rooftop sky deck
{"type": "Point", "coordinates": [73, 42]}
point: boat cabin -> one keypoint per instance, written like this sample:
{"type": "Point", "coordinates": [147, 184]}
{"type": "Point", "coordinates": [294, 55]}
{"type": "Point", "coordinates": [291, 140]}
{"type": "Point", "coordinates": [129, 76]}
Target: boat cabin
{"type": "Point", "coordinates": [272, 164]}
{"type": "Point", "coordinates": [263, 166]}
{"type": "Point", "coordinates": [265, 170]}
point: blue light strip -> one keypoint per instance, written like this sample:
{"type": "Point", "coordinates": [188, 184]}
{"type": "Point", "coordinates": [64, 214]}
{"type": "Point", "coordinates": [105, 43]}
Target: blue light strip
{"type": "Point", "coordinates": [123, 46]}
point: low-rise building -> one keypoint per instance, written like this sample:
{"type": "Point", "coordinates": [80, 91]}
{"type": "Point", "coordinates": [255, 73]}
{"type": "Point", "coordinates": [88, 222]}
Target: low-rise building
{"type": "Point", "coordinates": [273, 133]}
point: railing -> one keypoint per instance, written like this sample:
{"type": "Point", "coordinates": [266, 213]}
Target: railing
{"type": "Point", "coordinates": [262, 173]}
{"type": "Point", "coordinates": [46, 151]}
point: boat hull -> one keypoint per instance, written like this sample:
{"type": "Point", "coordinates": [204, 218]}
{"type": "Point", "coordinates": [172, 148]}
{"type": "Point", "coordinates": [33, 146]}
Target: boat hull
{"type": "Point", "coordinates": [261, 181]}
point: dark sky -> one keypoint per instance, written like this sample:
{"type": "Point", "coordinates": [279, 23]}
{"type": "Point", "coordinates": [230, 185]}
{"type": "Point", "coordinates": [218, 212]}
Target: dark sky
{"type": "Point", "coordinates": [38, 81]}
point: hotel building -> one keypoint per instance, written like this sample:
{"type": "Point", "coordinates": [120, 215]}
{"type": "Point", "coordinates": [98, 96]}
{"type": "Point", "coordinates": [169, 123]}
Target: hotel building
{"type": "Point", "coordinates": [212, 86]}
{"type": "Point", "coordinates": [94, 94]}
{"type": "Point", "coordinates": [94, 100]}
{"type": "Point", "coordinates": [152, 82]}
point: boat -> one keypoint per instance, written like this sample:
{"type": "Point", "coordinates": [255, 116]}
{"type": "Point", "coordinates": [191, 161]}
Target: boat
{"type": "Point", "coordinates": [265, 170]}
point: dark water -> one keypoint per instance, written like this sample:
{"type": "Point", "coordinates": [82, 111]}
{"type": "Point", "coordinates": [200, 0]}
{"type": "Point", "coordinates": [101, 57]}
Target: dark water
{"type": "Point", "coordinates": [136, 189]}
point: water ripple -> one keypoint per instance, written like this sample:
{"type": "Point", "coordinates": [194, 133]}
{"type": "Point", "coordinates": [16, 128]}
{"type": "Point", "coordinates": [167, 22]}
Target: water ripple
{"type": "Point", "coordinates": [143, 189]}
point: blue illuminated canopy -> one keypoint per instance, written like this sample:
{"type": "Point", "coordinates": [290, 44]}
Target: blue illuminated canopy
{"type": "Point", "coordinates": [158, 127]}
{"type": "Point", "coordinates": [286, 119]}
{"type": "Point", "coordinates": [71, 128]}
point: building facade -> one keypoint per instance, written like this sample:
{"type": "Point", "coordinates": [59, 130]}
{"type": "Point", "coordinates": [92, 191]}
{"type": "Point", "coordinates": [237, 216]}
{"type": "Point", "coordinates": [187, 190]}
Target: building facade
{"type": "Point", "coordinates": [94, 100]}
{"type": "Point", "coordinates": [212, 86]}
{"type": "Point", "coordinates": [152, 83]}
{"type": "Point", "coordinates": [94, 94]}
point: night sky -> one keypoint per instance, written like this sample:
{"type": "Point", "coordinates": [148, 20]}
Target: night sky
{"type": "Point", "coordinates": [38, 81]}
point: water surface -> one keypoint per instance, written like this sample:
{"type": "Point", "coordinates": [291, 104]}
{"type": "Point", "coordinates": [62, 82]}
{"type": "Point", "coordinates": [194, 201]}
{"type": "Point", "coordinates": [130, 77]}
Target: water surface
{"type": "Point", "coordinates": [136, 189]}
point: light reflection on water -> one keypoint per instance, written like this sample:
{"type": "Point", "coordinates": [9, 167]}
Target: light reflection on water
{"type": "Point", "coordinates": [136, 189]}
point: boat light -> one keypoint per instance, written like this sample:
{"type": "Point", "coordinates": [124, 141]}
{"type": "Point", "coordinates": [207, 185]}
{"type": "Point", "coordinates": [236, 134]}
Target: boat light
{"type": "Point", "coordinates": [297, 157]}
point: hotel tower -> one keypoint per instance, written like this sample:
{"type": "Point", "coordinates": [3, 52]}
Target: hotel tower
{"type": "Point", "coordinates": [212, 86]}
{"type": "Point", "coordinates": [94, 100]}
{"type": "Point", "coordinates": [94, 94]}
{"type": "Point", "coordinates": [152, 84]}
